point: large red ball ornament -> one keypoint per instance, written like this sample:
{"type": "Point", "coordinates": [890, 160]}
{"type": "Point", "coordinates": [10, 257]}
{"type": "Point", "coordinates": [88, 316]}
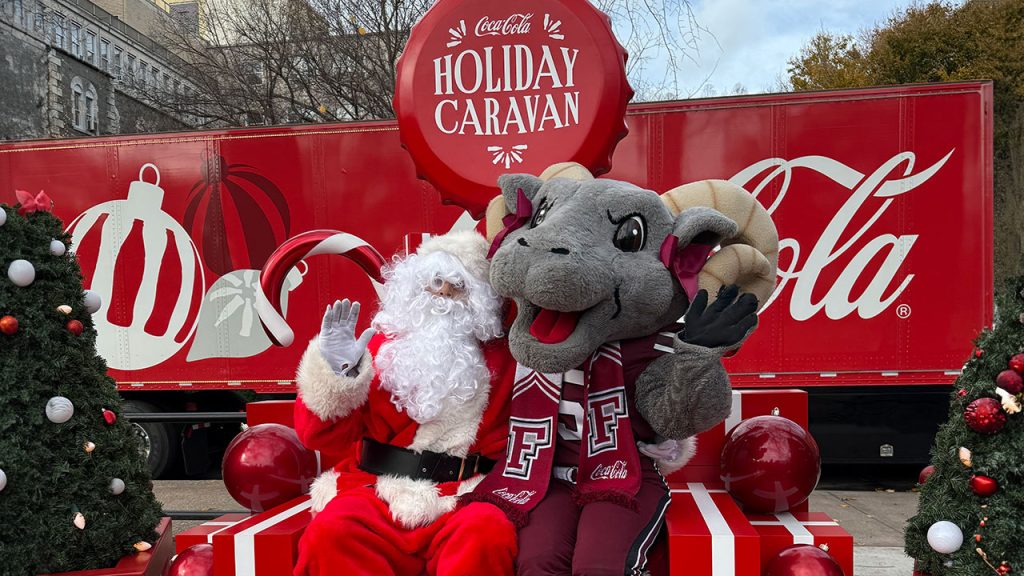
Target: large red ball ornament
{"type": "Point", "coordinates": [770, 464]}
{"type": "Point", "coordinates": [984, 486]}
{"type": "Point", "coordinates": [803, 560]}
{"type": "Point", "coordinates": [192, 561]}
{"type": "Point", "coordinates": [75, 327]}
{"type": "Point", "coordinates": [266, 466]}
{"type": "Point", "coordinates": [1017, 363]}
{"type": "Point", "coordinates": [9, 325]}
{"type": "Point", "coordinates": [985, 416]}
{"type": "Point", "coordinates": [925, 473]}
{"type": "Point", "coordinates": [1010, 381]}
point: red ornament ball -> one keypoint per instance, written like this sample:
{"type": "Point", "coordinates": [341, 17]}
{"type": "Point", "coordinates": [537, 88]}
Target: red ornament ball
{"type": "Point", "coordinates": [985, 416]}
{"type": "Point", "coordinates": [979, 353]}
{"type": "Point", "coordinates": [9, 325]}
{"type": "Point", "coordinates": [770, 464]}
{"type": "Point", "coordinates": [984, 486]}
{"type": "Point", "coordinates": [109, 417]}
{"type": "Point", "coordinates": [192, 561]}
{"type": "Point", "coordinates": [75, 327]}
{"type": "Point", "coordinates": [266, 466]}
{"type": "Point", "coordinates": [925, 473]}
{"type": "Point", "coordinates": [1010, 381]}
{"type": "Point", "coordinates": [1004, 568]}
{"type": "Point", "coordinates": [1017, 363]}
{"type": "Point", "coordinates": [803, 560]}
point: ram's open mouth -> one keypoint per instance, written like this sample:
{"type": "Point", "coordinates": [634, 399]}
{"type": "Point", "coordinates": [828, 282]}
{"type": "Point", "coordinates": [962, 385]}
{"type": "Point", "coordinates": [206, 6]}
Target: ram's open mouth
{"type": "Point", "coordinates": [552, 326]}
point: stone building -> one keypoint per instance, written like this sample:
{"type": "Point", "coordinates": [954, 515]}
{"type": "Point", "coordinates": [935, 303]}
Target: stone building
{"type": "Point", "coordinates": [72, 68]}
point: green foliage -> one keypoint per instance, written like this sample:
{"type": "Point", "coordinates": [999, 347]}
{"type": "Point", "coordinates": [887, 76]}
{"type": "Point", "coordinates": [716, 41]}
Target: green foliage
{"type": "Point", "coordinates": [947, 494]}
{"type": "Point", "coordinates": [49, 474]}
{"type": "Point", "coordinates": [942, 42]}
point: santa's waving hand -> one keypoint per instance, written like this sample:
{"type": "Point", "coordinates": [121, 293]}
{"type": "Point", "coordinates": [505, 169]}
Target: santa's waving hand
{"type": "Point", "coordinates": [415, 409]}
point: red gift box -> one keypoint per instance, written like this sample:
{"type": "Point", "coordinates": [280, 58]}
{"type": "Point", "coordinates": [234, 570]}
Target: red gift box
{"type": "Point", "coordinates": [708, 535]}
{"type": "Point", "coordinates": [704, 467]}
{"type": "Point", "coordinates": [785, 529]}
{"type": "Point", "coordinates": [152, 562]}
{"type": "Point", "coordinates": [203, 534]}
{"type": "Point", "coordinates": [264, 544]}
{"type": "Point", "coordinates": [270, 412]}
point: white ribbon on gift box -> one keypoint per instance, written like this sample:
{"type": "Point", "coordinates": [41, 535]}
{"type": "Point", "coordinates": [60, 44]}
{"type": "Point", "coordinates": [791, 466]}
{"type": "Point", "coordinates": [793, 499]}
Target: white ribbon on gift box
{"type": "Point", "coordinates": [801, 535]}
{"type": "Point", "coordinates": [723, 543]}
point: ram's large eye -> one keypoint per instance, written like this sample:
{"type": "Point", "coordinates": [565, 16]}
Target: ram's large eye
{"type": "Point", "coordinates": [541, 214]}
{"type": "Point", "coordinates": [631, 235]}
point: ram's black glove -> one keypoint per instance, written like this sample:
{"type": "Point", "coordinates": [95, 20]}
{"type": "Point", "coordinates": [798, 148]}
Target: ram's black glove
{"type": "Point", "coordinates": [723, 324]}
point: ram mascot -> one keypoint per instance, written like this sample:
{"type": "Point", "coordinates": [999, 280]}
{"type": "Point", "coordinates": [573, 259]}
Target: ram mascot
{"type": "Point", "coordinates": [609, 389]}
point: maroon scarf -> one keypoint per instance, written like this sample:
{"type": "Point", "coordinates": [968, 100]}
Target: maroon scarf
{"type": "Point", "coordinates": [609, 466]}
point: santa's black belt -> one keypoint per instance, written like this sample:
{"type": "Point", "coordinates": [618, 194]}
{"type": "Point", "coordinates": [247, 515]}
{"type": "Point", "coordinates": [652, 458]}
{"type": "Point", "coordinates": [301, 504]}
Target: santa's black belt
{"type": "Point", "coordinates": [378, 458]}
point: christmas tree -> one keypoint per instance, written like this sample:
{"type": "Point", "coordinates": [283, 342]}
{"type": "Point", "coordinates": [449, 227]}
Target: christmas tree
{"type": "Point", "coordinates": [75, 492]}
{"type": "Point", "coordinates": [970, 518]}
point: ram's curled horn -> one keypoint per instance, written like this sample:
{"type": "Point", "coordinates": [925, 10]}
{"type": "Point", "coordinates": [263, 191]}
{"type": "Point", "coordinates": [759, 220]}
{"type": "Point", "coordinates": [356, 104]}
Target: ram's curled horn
{"type": "Point", "coordinates": [750, 258]}
{"type": "Point", "coordinates": [496, 209]}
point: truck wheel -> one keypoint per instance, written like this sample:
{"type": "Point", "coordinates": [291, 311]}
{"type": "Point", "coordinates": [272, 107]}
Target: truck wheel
{"type": "Point", "coordinates": [157, 440]}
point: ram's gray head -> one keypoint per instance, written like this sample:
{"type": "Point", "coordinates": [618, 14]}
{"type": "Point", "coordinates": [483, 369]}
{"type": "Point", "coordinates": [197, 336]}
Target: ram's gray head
{"type": "Point", "coordinates": [589, 266]}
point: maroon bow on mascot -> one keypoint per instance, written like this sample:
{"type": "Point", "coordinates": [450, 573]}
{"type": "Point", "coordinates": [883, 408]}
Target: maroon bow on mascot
{"type": "Point", "coordinates": [608, 384]}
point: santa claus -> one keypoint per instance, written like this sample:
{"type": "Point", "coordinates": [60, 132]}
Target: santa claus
{"type": "Point", "coordinates": [417, 409]}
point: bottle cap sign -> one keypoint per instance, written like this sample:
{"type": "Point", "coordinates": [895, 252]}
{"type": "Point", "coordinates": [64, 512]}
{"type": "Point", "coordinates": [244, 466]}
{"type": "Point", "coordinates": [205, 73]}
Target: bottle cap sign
{"type": "Point", "coordinates": [489, 87]}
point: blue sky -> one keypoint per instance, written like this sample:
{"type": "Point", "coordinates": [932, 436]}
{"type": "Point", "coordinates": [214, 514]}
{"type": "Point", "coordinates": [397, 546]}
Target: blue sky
{"type": "Point", "coordinates": [753, 39]}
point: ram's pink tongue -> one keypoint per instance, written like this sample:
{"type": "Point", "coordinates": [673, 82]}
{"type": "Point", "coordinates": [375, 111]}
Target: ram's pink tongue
{"type": "Point", "coordinates": [552, 327]}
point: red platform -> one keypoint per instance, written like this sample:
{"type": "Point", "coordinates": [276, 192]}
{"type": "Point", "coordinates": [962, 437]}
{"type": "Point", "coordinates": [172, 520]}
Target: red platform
{"type": "Point", "coordinates": [149, 563]}
{"type": "Point", "coordinates": [706, 531]}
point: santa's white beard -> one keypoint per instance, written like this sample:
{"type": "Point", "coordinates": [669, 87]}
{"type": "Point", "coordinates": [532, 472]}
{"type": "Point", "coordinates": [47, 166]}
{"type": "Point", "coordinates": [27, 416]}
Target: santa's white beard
{"type": "Point", "coordinates": [432, 361]}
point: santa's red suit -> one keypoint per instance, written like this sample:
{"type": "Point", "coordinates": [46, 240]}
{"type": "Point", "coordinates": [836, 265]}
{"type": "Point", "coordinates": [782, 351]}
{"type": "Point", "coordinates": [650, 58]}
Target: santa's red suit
{"type": "Point", "coordinates": [387, 524]}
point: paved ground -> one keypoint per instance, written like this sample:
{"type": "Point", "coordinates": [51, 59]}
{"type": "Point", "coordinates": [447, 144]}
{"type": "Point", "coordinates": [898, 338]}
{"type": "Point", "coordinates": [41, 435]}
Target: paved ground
{"type": "Point", "coordinates": [874, 518]}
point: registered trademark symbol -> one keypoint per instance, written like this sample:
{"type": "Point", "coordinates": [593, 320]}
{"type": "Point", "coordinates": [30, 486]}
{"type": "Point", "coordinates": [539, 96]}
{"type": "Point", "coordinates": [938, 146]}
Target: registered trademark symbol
{"type": "Point", "coordinates": [903, 311]}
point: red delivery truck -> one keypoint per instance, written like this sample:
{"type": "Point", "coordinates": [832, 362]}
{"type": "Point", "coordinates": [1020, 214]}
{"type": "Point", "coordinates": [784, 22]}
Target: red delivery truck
{"type": "Point", "coordinates": [882, 198]}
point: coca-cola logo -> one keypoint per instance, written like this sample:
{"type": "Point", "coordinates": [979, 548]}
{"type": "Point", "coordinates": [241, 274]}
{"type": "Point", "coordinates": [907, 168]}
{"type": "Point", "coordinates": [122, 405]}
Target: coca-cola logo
{"type": "Point", "coordinates": [487, 87]}
{"type": "Point", "coordinates": [616, 471]}
{"type": "Point", "coordinates": [874, 257]}
{"type": "Point", "coordinates": [513, 24]}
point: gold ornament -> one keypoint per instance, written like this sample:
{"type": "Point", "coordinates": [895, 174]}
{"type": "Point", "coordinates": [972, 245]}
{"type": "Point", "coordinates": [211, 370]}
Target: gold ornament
{"type": "Point", "coordinates": [64, 309]}
{"type": "Point", "coordinates": [965, 456]}
{"type": "Point", "coordinates": [142, 546]}
{"type": "Point", "coordinates": [79, 521]}
{"type": "Point", "coordinates": [1011, 405]}
{"type": "Point", "coordinates": [88, 447]}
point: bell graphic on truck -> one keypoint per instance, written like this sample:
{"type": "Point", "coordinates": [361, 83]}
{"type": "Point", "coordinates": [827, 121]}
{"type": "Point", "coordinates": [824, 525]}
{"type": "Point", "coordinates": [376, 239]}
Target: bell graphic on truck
{"type": "Point", "coordinates": [147, 272]}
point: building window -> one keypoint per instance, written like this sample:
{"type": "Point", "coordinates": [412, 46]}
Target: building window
{"type": "Point", "coordinates": [143, 72]}
{"type": "Point", "coordinates": [90, 46]}
{"type": "Point", "coordinates": [60, 30]}
{"type": "Point", "coordinates": [131, 68]}
{"type": "Point", "coordinates": [177, 86]}
{"type": "Point", "coordinates": [90, 112]}
{"type": "Point", "coordinates": [40, 14]}
{"type": "Point", "coordinates": [77, 102]}
{"type": "Point", "coordinates": [105, 55]}
{"type": "Point", "coordinates": [253, 73]}
{"type": "Point", "coordinates": [19, 12]}
{"type": "Point", "coordinates": [76, 39]}
{"type": "Point", "coordinates": [154, 78]}
{"type": "Point", "coordinates": [118, 58]}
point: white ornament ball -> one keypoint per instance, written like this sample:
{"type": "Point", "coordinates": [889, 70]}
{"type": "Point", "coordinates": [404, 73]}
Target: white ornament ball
{"type": "Point", "coordinates": [945, 537]}
{"type": "Point", "coordinates": [92, 302]}
{"type": "Point", "coordinates": [57, 248]}
{"type": "Point", "coordinates": [116, 486]}
{"type": "Point", "coordinates": [3, 480]}
{"type": "Point", "coordinates": [21, 272]}
{"type": "Point", "coordinates": [3, 216]}
{"type": "Point", "coordinates": [59, 409]}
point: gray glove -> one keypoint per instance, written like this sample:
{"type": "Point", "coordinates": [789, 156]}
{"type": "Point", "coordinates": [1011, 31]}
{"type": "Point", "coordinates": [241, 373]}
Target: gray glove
{"type": "Point", "coordinates": [337, 340]}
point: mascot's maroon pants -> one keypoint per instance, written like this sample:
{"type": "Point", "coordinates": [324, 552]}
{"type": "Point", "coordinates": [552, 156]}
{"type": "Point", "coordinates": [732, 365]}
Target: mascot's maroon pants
{"type": "Point", "coordinates": [355, 536]}
{"type": "Point", "coordinates": [600, 538]}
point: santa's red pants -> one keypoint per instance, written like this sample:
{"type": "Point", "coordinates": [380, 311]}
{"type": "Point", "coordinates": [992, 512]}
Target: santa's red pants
{"type": "Point", "coordinates": [355, 535]}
